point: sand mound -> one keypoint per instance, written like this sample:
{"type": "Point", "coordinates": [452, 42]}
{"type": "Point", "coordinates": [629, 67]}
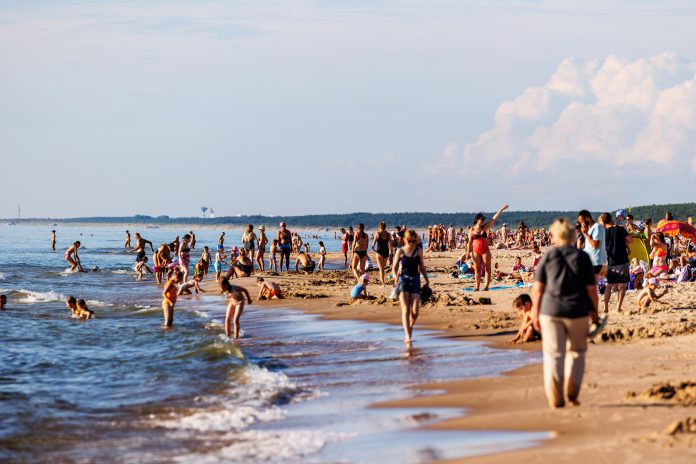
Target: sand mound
{"type": "Point", "coordinates": [681, 393]}
{"type": "Point", "coordinates": [668, 329]}
{"type": "Point", "coordinates": [687, 425]}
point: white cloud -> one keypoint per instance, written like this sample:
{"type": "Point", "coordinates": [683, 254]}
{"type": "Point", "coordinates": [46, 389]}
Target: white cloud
{"type": "Point", "coordinates": [616, 113]}
{"type": "Point", "coordinates": [448, 160]}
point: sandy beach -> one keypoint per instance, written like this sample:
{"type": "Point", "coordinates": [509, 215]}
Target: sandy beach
{"type": "Point", "coordinates": [638, 400]}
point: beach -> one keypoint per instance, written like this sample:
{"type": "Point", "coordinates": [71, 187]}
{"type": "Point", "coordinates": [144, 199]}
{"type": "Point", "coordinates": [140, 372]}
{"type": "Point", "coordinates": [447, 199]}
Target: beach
{"type": "Point", "coordinates": [305, 377]}
{"type": "Point", "coordinates": [618, 421]}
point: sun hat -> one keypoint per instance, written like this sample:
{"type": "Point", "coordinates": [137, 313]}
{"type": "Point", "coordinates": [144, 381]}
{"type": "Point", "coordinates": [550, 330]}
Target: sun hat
{"type": "Point", "coordinates": [365, 277]}
{"type": "Point", "coordinates": [653, 281]}
{"type": "Point", "coordinates": [262, 227]}
{"type": "Point", "coordinates": [621, 213]}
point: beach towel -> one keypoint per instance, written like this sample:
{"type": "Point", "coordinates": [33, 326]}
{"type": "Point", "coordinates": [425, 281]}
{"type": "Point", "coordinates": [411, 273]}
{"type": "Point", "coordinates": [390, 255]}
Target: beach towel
{"type": "Point", "coordinates": [500, 287]}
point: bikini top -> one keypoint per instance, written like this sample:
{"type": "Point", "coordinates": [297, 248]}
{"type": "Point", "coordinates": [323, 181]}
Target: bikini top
{"type": "Point", "coordinates": [480, 236]}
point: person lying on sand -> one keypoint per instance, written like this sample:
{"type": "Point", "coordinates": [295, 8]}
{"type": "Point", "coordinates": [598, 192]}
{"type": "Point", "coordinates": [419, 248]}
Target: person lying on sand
{"type": "Point", "coordinates": [648, 294]}
{"type": "Point", "coordinates": [306, 263]}
{"type": "Point", "coordinates": [359, 292]}
{"type": "Point", "coordinates": [527, 332]}
{"type": "Point", "coordinates": [268, 290]}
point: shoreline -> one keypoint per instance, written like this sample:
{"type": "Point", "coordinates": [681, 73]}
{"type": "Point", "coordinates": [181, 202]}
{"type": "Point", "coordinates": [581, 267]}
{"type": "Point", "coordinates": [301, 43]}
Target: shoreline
{"type": "Point", "coordinates": [515, 401]}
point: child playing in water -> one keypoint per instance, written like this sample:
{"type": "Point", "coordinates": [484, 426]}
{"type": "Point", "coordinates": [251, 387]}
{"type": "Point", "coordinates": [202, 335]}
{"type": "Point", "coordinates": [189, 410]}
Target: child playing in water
{"type": "Point", "coordinates": [322, 255]}
{"type": "Point", "coordinates": [272, 260]}
{"type": "Point", "coordinates": [268, 290]}
{"type": "Point", "coordinates": [185, 288]}
{"type": "Point", "coordinates": [199, 268]}
{"type": "Point", "coordinates": [359, 292]}
{"type": "Point", "coordinates": [83, 311]}
{"type": "Point", "coordinates": [3, 302]}
{"type": "Point", "coordinates": [526, 332]}
{"type": "Point", "coordinates": [205, 258]}
{"type": "Point", "coordinates": [71, 304]}
{"type": "Point", "coordinates": [219, 259]}
{"type": "Point", "coordinates": [169, 294]}
{"type": "Point", "coordinates": [235, 297]}
{"type": "Point", "coordinates": [648, 294]}
{"type": "Point", "coordinates": [141, 267]}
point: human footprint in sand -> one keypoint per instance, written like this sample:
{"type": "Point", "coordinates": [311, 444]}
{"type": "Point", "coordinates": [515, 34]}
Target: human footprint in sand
{"type": "Point", "coordinates": [408, 267]}
{"type": "Point", "coordinates": [235, 306]}
{"type": "Point", "coordinates": [478, 249]}
{"type": "Point", "coordinates": [268, 290]}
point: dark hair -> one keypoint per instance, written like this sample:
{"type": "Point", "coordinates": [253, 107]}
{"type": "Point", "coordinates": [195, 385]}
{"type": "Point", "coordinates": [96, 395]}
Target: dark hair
{"type": "Point", "coordinates": [630, 216]}
{"type": "Point", "coordinates": [478, 217]}
{"type": "Point", "coordinates": [3, 297]}
{"type": "Point", "coordinates": [71, 300]}
{"type": "Point", "coordinates": [186, 237]}
{"type": "Point", "coordinates": [54, 231]}
{"type": "Point", "coordinates": [361, 226]}
{"type": "Point", "coordinates": [321, 243]}
{"type": "Point", "coordinates": [259, 279]}
{"type": "Point", "coordinates": [648, 221]}
{"type": "Point", "coordinates": [585, 214]}
{"type": "Point", "coordinates": [661, 236]}
{"type": "Point", "coordinates": [669, 216]}
{"type": "Point", "coordinates": [521, 300]}
{"type": "Point", "coordinates": [81, 303]}
{"type": "Point", "coordinates": [224, 285]}
{"type": "Point", "coordinates": [206, 248]}
{"type": "Point", "coordinates": [144, 259]}
{"type": "Point", "coordinates": [77, 243]}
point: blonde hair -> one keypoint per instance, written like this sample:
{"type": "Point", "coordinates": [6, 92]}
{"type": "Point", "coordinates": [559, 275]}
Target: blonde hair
{"type": "Point", "coordinates": [562, 231]}
{"type": "Point", "coordinates": [410, 233]}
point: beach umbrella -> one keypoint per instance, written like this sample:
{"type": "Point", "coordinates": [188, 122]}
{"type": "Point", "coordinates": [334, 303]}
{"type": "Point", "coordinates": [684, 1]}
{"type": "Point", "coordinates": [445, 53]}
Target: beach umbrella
{"type": "Point", "coordinates": [674, 228]}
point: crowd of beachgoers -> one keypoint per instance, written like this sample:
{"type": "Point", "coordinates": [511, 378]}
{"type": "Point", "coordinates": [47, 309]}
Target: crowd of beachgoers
{"type": "Point", "coordinates": [575, 264]}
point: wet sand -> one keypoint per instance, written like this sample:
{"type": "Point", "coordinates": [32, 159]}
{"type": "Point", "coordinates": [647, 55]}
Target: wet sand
{"type": "Point", "coordinates": [637, 396]}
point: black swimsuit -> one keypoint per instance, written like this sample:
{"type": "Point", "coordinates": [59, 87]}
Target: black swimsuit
{"type": "Point", "coordinates": [383, 246]}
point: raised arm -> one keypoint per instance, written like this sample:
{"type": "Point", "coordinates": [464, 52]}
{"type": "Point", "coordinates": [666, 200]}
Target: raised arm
{"type": "Point", "coordinates": [495, 217]}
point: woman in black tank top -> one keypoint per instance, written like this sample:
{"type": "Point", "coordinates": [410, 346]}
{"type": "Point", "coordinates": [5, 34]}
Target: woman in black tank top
{"type": "Point", "coordinates": [380, 244]}
{"type": "Point", "coordinates": [408, 267]}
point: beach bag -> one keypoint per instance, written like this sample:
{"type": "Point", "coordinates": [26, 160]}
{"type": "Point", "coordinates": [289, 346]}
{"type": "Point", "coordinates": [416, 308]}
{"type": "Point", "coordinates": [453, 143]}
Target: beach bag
{"type": "Point", "coordinates": [426, 293]}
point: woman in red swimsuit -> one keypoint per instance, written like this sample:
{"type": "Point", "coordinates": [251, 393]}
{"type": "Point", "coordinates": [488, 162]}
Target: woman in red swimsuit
{"type": "Point", "coordinates": [477, 248]}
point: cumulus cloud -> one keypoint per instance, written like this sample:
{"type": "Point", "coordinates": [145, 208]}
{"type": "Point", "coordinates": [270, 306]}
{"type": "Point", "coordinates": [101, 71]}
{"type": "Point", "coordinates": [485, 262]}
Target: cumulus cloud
{"type": "Point", "coordinates": [616, 112]}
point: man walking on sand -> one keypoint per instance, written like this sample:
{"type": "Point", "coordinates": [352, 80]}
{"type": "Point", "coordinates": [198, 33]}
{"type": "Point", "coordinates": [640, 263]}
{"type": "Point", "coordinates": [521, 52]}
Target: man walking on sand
{"type": "Point", "coordinates": [594, 242]}
{"type": "Point", "coordinates": [617, 241]}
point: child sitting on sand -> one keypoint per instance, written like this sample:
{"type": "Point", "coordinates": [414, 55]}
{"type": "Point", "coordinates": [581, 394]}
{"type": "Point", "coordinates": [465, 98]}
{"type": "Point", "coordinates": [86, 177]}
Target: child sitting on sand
{"type": "Point", "coordinates": [3, 302]}
{"type": "Point", "coordinates": [268, 290]}
{"type": "Point", "coordinates": [518, 266]}
{"type": "Point", "coordinates": [636, 272]}
{"type": "Point", "coordinates": [322, 256]}
{"type": "Point", "coordinates": [185, 288]}
{"type": "Point", "coordinates": [359, 292]}
{"type": "Point", "coordinates": [82, 310]}
{"type": "Point", "coordinates": [526, 332]}
{"type": "Point", "coordinates": [141, 268]}
{"type": "Point", "coordinates": [648, 294]}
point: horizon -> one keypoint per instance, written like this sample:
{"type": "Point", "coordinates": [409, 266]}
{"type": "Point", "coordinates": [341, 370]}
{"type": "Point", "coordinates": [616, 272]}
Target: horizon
{"type": "Point", "coordinates": [138, 108]}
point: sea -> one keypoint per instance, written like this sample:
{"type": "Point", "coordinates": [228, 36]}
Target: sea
{"type": "Point", "coordinates": [294, 388]}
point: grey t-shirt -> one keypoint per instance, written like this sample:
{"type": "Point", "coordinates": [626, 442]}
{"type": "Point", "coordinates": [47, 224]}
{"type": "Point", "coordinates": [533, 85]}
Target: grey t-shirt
{"type": "Point", "coordinates": [566, 272]}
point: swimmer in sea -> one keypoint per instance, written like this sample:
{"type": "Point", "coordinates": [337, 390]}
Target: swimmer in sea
{"type": "Point", "coordinates": [83, 311]}
{"type": "Point", "coordinates": [268, 290]}
{"type": "Point", "coordinates": [193, 240]}
{"type": "Point", "coordinates": [127, 241]}
{"type": "Point", "coordinates": [140, 243]}
{"type": "Point", "coordinates": [160, 261]}
{"type": "Point", "coordinates": [169, 294]}
{"type": "Point", "coordinates": [185, 256]}
{"type": "Point", "coordinates": [185, 287]}
{"type": "Point", "coordinates": [3, 302]}
{"type": "Point", "coordinates": [235, 306]}
{"type": "Point", "coordinates": [141, 268]}
{"type": "Point", "coordinates": [205, 257]}
{"type": "Point", "coordinates": [53, 240]}
{"type": "Point", "coordinates": [72, 258]}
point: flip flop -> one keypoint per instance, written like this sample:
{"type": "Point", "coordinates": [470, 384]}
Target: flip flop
{"type": "Point", "coordinates": [596, 329]}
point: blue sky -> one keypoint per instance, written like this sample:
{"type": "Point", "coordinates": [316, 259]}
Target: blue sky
{"type": "Point", "coordinates": [120, 108]}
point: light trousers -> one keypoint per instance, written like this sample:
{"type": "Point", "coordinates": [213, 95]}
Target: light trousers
{"type": "Point", "coordinates": [564, 342]}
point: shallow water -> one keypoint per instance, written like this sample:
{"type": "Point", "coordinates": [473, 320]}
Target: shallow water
{"type": "Point", "coordinates": [120, 389]}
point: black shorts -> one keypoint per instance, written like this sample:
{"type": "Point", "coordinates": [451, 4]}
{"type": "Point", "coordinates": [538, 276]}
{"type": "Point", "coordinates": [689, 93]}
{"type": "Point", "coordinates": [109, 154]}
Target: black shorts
{"type": "Point", "coordinates": [139, 257]}
{"type": "Point", "coordinates": [309, 268]}
{"type": "Point", "coordinates": [618, 274]}
{"type": "Point", "coordinates": [597, 269]}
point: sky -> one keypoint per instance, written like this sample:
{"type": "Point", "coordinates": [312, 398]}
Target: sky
{"type": "Point", "coordinates": [115, 108]}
